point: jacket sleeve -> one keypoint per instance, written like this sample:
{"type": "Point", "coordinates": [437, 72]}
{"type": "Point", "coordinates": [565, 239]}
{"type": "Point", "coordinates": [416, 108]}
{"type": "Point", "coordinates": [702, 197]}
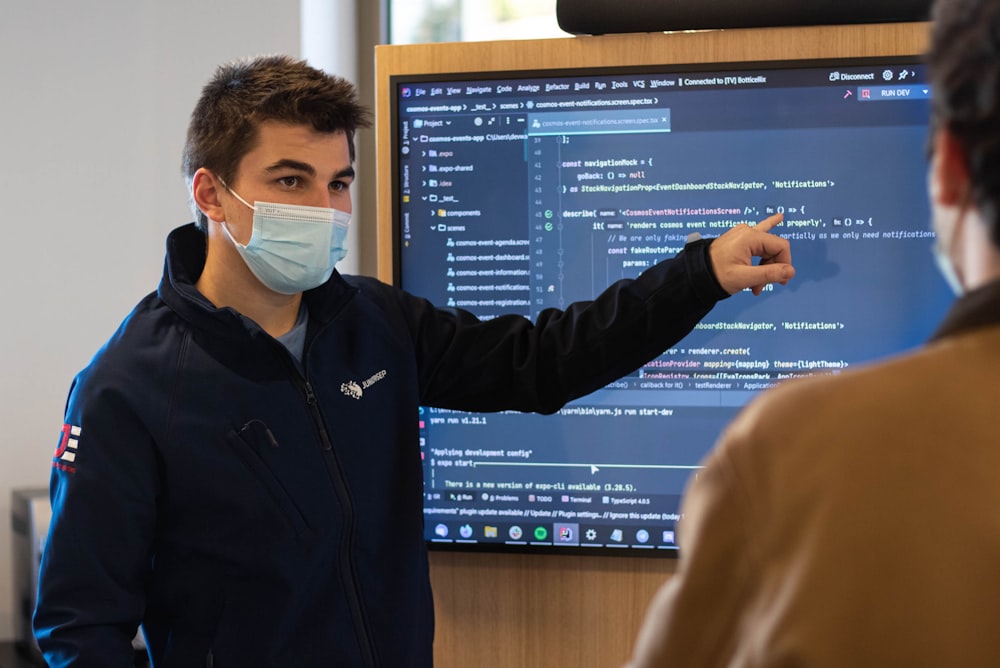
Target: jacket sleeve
{"type": "Point", "coordinates": [697, 616]}
{"type": "Point", "coordinates": [97, 556]}
{"type": "Point", "coordinates": [510, 363]}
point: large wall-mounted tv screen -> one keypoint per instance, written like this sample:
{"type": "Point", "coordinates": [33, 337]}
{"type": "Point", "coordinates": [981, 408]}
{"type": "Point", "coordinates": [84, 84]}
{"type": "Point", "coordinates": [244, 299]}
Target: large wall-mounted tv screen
{"type": "Point", "coordinates": [519, 191]}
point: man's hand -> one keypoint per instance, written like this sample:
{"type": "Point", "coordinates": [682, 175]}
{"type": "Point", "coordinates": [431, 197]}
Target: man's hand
{"type": "Point", "coordinates": [732, 257]}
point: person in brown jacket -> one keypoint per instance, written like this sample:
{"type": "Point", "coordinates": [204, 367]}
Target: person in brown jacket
{"type": "Point", "coordinates": [854, 520]}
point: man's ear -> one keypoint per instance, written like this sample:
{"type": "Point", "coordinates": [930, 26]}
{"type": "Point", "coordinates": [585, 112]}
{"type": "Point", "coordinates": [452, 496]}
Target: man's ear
{"type": "Point", "coordinates": [949, 170]}
{"type": "Point", "coordinates": [205, 189]}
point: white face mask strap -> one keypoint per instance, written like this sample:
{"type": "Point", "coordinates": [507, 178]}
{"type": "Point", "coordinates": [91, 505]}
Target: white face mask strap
{"type": "Point", "coordinates": [233, 193]}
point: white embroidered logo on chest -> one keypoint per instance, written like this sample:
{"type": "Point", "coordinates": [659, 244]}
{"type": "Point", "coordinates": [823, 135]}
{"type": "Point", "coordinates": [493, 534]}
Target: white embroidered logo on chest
{"type": "Point", "coordinates": [355, 391]}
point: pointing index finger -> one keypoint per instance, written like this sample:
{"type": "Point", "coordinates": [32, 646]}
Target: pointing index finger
{"type": "Point", "coordinates": [769, 222]}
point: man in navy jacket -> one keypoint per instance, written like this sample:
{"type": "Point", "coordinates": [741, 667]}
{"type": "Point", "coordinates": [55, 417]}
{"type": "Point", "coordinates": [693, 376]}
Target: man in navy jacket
{"type": "Point", "coordinates": [238, 470]}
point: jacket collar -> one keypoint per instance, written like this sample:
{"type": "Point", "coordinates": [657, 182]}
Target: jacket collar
{"type": "Point", "coordinates": [979, 308]}
{"type": "Point", "coordinates": [186, 250]}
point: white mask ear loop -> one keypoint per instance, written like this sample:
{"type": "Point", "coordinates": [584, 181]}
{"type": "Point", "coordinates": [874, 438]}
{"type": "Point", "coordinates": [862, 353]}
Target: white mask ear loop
{"type": "Point", "coordinates": [234, 194]}
{"type": "Point", "coordinates": [225, 224]}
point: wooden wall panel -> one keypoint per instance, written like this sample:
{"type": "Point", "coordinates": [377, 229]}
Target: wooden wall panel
{"type": "Point", "coordinates": [563, 610]}
{"type": "Point", "coordinates": [540, 610]}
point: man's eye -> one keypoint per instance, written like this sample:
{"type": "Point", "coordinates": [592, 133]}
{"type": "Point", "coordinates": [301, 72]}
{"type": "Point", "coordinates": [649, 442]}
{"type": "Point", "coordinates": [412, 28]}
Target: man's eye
{"type": "Point", "coordinates": [339, 186]}
{"type": "Point", "coordinates": [289, 181]}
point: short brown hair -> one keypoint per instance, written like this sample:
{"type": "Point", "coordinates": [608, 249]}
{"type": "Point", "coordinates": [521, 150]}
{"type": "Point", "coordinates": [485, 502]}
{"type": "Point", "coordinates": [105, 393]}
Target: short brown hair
{"type": "Point", "coordinates": [964, 68]}
{"type": "Point", "coordinates": [244, 93]}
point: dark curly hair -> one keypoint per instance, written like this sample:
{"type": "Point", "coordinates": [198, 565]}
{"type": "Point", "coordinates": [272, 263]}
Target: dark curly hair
{"type": "Point", "coordinates": [964, 66]}
{"type": "Point", "coordinates": [244, 93]}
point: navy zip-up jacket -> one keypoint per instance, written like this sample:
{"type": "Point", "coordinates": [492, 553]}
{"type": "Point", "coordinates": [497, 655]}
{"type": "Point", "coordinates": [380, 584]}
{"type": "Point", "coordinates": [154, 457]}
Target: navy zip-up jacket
{"type": "Point", "coordinates": [249, 513]}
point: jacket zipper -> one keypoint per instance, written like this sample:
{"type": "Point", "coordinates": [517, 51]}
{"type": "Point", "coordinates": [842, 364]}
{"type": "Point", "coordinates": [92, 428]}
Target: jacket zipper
{"type": "Point", "coordinates": [347, 569]}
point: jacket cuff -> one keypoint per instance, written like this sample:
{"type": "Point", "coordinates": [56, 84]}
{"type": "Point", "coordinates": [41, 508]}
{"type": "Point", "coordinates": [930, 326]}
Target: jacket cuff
{"type": "Point", "coordinates": [699, 265]}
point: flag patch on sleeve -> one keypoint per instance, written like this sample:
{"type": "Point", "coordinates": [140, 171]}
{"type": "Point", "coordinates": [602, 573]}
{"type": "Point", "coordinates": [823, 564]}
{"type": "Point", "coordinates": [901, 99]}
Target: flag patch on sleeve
{"type": "Point", "coordinates": [69, 442]}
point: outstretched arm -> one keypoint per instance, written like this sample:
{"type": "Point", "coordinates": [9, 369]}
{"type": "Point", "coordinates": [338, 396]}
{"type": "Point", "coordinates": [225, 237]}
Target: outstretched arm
{"type": "Point", "coordinates": [733, 255]}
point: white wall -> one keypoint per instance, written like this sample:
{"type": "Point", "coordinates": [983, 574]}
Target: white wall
{"type": "Point", "coordinates": [94, 101]}
{"type": "Point", "coordinates": [330, 42]}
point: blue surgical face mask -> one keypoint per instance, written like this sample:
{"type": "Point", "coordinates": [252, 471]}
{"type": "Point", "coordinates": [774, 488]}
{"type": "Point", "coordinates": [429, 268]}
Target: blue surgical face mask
{"type": "Point", "coordinates": [947, 269]}
{"type": "Point", "coordinates": [292, 248]}
{"type": "Point", "coordinates": [945, 226]}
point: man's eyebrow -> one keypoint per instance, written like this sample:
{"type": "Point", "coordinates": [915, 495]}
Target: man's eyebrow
{"type": "Point", "coordinates": [287, 163]}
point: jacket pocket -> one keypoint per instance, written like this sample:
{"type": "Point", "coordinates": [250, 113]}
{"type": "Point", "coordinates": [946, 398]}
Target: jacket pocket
{"type": "Point", "coordinates": [245, 443]}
